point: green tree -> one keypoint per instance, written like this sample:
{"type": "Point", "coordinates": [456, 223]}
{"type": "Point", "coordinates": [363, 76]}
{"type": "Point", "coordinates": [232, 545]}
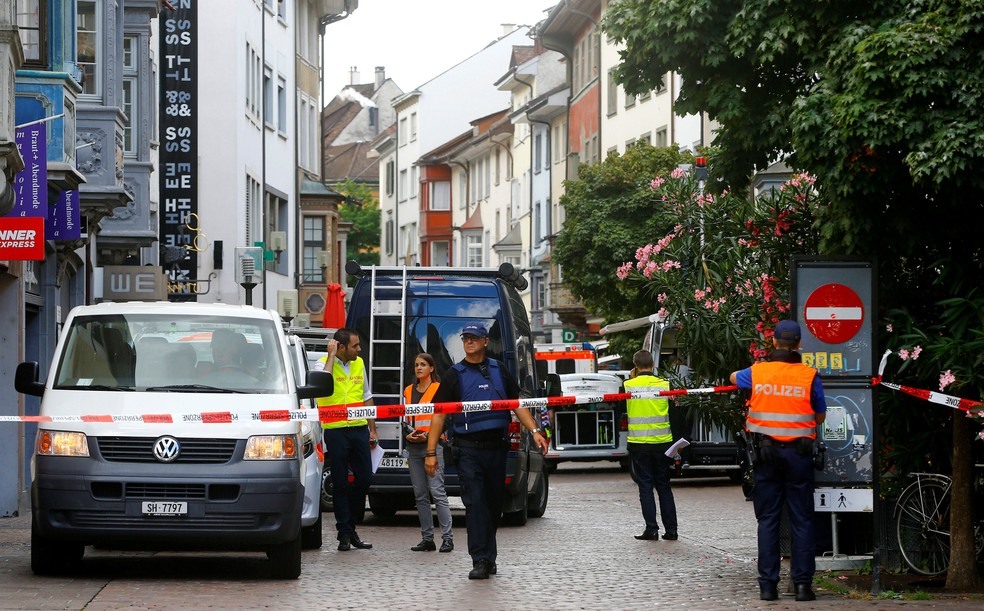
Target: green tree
{"type": "Point", "coordinates": [880, 100]}
{"type": "Point", "coordinates": [608, 215]}
{"type": "Point", "coordinates": [361, 208]}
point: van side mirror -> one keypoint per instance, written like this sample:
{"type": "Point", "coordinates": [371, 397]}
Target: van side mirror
{"type": "Point", "coordinates": [26, 379]}
{"type": "Point", "coordinates": [318, 384]}
{"type": "Point", "coordinates": [553, 385]}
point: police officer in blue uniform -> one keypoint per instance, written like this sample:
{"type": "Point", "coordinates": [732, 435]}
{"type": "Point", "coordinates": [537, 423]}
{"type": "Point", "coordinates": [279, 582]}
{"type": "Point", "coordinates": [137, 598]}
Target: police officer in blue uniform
{"type": "Point", "coordinates": [786, 405]}
{"type": "Point", "coordinates": [480, 442]}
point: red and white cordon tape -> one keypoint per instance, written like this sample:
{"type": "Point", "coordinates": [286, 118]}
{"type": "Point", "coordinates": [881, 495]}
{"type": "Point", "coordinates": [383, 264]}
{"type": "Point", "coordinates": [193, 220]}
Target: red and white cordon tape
{"type": "Point", "coordinates": [341, 412]}
{"type": "Point", "coordinates": [967, 405]}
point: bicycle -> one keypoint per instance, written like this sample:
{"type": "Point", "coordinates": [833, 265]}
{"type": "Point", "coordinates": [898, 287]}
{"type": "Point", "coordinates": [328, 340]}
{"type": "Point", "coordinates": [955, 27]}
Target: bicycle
{"type": "Point", "coordinates": [923, 524]}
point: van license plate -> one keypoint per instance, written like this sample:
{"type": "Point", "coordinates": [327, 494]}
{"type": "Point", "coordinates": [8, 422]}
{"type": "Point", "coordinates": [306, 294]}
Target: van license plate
{"type": "Point", "coordinates": [160, 508]}
{"type": "Point", "coordinates": [394, 462]}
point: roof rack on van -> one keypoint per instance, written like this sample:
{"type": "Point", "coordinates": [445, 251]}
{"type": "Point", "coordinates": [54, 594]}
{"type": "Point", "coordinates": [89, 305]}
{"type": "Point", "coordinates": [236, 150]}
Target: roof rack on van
{"type": "Point", "coordinates": [507, 271]}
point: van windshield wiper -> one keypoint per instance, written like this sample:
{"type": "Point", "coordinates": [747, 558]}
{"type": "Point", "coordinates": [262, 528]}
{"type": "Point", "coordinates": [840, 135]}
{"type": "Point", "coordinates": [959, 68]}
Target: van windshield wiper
{"type": "Point", "coordinates": [92, 387]}
{"type": "Point", "coordinates": [190, 388]}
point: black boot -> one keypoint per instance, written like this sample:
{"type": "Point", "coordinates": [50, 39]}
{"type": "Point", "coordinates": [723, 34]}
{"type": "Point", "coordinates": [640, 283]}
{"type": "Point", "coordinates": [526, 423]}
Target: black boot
{"type": "Point", "coordinates": [804, 592]}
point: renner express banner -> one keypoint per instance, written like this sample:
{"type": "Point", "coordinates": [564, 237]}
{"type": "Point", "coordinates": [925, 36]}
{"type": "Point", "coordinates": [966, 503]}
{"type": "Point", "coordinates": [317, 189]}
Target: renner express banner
{"type": "Point", "coordinates": [22, 238]}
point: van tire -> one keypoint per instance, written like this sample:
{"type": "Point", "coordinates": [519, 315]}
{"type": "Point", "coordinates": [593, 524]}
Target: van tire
{"type": "Point", "coordinates": [518, 518]}
{"type": "Point", "coordinates": [538, 502]}
{"type": "Point", "coordinates": [327, 504]}
{"type": "Point", "coordinates": [311, 536]}
{"type": "Point", "coordinates": [285, 559]}
{"type": "Point", "coordinates": [381, 506]}
{"type": "Point", "coordinates": [51, 558]}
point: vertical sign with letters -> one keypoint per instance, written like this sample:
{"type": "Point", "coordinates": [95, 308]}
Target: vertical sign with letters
{"type": "Point", "coordinates": [31, 183]}
{"type": "Point", "coordinates": [63, 222]}
{"type": "Point", "coordinates": [179, 147]}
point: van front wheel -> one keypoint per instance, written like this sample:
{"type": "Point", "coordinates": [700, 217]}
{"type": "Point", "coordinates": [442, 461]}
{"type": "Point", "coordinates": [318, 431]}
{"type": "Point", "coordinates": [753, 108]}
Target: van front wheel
{"type": "Point", "coordinates": [51, 558]}
{"type": "Point", "coordinates": [285, 559]}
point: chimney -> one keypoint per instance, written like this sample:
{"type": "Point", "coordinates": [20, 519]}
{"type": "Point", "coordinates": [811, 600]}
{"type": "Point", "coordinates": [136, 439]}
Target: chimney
{"type": "Point", "coordinates": [380, 76]}
{"type": "Point", "coordinates": [354, 75]}
{"type": "Point", "coordinates": [508, 28]}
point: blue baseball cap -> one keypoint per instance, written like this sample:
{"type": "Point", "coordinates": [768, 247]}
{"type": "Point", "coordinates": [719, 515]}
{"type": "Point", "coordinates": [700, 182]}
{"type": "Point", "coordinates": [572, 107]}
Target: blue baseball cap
{"type": "Point", "coordinates": [788, 330]}
{"type": "Point", "coordinates": [475, 329]}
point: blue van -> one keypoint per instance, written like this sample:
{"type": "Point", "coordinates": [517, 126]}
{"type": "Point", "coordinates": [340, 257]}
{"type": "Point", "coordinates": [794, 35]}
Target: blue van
{"type": "Point", "coordinates": [400, 312]}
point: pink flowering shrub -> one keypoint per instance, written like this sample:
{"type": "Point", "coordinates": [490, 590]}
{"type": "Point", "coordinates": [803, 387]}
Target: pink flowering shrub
{"type": "Point", "coordinates": [722, 272]}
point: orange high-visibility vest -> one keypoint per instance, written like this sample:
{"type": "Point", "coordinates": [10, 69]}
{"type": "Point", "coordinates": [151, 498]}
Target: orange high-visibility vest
{"type": "Point", "coordinates": [420, 422]}
{"type": "Point", "coordinates": [780, 405]}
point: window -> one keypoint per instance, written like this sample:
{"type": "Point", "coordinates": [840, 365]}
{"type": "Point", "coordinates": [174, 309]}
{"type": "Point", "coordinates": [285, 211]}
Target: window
{"type": "Point", "coordinates": [440, 254]}
{"type": "Point", "coordinates": [88, 45]}
{"type": "Point", "coordinates": [252, 216]}
{"type": "Point", "coordinates": [389, 236]}
{"type": "Point", "coordinates": [33, 27]}
{"type": "Point", "coordinates": [129, 107]}
{"type": "Point", "coordinates": [660, 138]}
{"type": "Point", "coordinates": [414, 181]}
{"type": "Point", "coordinates": [276, 217]}
{"type": "Point", "coordinates": [413, 126]}
{"type": "Point", "coordinates": [645, 96]}
{"type": "Point", "coordinates": [473, 250]}
{"type": "Point", "coordinates": [403, 131]}
{"type": "Point", "coordinates": [560, 142]}
{"type": "Point", "coordinates": [630, 100]}
{"type": "Point", "coordinates": [646, 137]}
{"type": "Point", "coordinates": [440, 196]}
{"type": "Point", "coordinates": [268, 107]}
{"type": "Point", "coordinates": [281, 10]}
{"type": "Point", "coordinates": [309, 150]}
{"type": "Point", "coordinates": [390, 177]}
{"type": "Point", "coordinates": [307, 32]}
{"type": "Point", "coordinates": [130, 93]}
{"type": "Point", "coordinates": [403, 185]}
{"type": "Point", "coordinates": [462, 189]}
{"type": "Point", "coordinates": [253, 84]}
{"type": "Point", "coordinates": [373, 116]}
{"type": "Point", "coordinates": [537, 223]}
{"type": "Point", "coordinates": [488, 175]}
{"type": "Point", "coordinates": [282, 105]}
{"type": "Point", "coordinates": [612, 93]}
{"type": "Point", "coordinates": [314, 243]}
{"type": "Point", "coordinates": [538, 153]}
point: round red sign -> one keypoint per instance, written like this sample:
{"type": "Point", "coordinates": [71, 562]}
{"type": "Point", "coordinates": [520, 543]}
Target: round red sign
{"type": "Point", "coordinates": [833, 313]}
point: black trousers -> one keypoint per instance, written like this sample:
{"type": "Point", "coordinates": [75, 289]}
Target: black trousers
{"type": "Point", "coordinates": [482, 476]}
{"type": "Point", "coordinates": [348, 450]}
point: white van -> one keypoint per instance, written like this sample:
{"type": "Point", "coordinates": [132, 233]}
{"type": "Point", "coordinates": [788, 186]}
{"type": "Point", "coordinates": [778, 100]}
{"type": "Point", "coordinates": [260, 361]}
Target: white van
{"type": "Point", "coordinates": [589, 431]}
{"type": "Point", "coordinates": [127, 461]}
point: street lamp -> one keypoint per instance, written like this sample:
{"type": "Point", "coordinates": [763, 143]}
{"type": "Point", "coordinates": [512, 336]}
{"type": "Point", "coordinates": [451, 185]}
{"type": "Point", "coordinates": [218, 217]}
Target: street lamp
{"type": "Point", "coordinates": [324, 262]}
{"type": "Point", "coordinates": [248, 260]}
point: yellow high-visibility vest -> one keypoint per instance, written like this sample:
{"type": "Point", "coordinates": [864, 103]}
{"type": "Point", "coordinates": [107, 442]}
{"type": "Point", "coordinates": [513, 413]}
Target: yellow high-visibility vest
{"type": "Point", "coordinates": [349, 389]}
{"type": "Point", "coordinates": [649, 419]}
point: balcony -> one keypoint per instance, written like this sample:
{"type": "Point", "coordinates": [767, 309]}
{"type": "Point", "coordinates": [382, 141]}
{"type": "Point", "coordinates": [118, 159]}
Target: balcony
{"type": "Point", "coordinates": [564, 305]}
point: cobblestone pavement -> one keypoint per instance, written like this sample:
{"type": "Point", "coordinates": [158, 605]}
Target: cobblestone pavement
{"type": "Point", "coordinates": [580, 555]}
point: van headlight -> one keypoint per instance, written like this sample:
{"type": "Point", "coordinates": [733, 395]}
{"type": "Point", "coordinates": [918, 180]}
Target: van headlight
{"type": "Point", "coordinates": [61, 443]}
{"type": "Point", "coordinates": [271, 447]}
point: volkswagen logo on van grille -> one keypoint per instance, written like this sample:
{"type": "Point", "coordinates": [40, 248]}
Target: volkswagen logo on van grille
{"type": "Point", "coordinates": [167, 449]}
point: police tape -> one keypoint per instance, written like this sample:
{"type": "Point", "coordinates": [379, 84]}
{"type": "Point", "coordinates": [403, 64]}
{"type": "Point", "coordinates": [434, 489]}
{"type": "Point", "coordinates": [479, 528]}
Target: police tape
{"type": "Point", "coordinates": [342, 412]}
{"type": "Point", "coordinates": [967, 405]}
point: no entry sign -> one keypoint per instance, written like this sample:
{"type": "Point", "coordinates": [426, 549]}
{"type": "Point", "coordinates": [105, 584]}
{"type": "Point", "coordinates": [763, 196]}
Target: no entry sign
{"type": "Point", "coordinates": [833, 313]}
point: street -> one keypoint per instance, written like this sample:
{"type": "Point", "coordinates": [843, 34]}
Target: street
{"type": "Point", "coordinates": [580, 555]}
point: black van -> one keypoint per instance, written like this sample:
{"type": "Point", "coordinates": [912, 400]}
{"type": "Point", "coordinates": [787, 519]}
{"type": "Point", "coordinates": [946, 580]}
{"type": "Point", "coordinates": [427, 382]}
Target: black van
{"type": "Point", "coordinates": [400, 312]}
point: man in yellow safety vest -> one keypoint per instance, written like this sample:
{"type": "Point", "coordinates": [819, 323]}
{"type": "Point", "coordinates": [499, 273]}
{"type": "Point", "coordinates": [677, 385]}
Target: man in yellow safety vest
{"type": "Point", "coordinates": [348, 441]}
{"type": "Point", "coordinates": [649, 439]}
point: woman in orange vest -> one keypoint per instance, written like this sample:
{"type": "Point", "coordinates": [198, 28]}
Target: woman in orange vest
{"type": "Point", "coordinates": [425, 487]}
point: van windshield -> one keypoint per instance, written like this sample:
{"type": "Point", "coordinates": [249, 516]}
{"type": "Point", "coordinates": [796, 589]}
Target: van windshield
{"type": "Point", "coordinates": [159, 353]}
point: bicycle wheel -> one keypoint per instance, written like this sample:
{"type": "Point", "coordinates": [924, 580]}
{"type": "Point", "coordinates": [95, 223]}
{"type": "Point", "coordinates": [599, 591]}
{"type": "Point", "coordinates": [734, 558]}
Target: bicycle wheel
{"type": "Point", "coordinates": [923, 525]}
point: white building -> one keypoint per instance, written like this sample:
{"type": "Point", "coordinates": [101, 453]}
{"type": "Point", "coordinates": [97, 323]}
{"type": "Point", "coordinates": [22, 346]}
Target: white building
{"type": "Point", "coordinates": [428, 117]}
